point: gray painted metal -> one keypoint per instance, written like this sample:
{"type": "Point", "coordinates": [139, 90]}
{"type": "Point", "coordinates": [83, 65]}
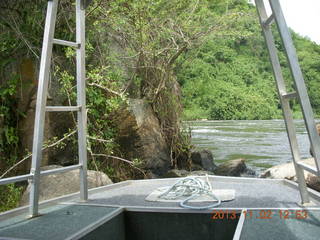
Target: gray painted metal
{"type": "Point", "coordinates": [66, 43]}
{"type": "Point", "coordinates": [238, 231]}
{"type": "Point", "coordinates": [81, 99]}
{"type": "Point", "coordinates": [287, 113]}
{"type": "Point", "coordinates": [42, 173]}
{"type": "Point", "coordinates": [96, 224]}
{"type": "Point", "coordinates": [290, 95]}
{"type": "Point", "coordinates": [298, 80]}
{"type": "Point", "coordinates": [41, 103]}
{"type": "Point", "coordinates": [15, 179]}
{"type": "Point", "coordinates": [60, 170]}
{"type": "Point", "coordinates": [269, 21]}
{"type": "Point", "coordinates": [309, 168]}
{"type": "Point", "coordinates": [63, 108]}
{"type": "Point", "coordinates": [41, 108]}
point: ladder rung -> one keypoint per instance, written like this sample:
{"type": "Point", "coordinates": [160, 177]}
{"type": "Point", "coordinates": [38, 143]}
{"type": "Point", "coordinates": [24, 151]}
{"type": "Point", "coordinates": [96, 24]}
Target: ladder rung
{"type": "Point", "coordinates": [63, 108]}
{"type": "Point", "coordinates": [289, 95]}
{"type": "Point", "coordinates": [15, 179]}
{"type": "Point", "coordinates": [66, 43]}
{"type": "Point", "coordinates": [269, 21]}
{"type": "Point", "coordinates": [60, 170]}
{"type": "Point", "coordinates": [308, 168]}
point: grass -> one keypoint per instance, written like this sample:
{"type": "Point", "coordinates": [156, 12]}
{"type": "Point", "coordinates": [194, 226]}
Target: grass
{"type": "Point", "coordinates": [9, 197]}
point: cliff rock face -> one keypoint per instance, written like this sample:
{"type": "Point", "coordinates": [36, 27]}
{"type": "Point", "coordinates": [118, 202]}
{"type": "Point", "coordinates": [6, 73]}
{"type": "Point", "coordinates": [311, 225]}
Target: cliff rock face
{"type": "Point", "coordinates": [27, 97]}
{"type": "Point", "coordinates": [140, 137]}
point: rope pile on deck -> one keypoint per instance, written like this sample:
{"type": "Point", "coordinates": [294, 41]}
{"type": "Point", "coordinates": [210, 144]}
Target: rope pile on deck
{"type": "Point", "coordinates": [191, 188]}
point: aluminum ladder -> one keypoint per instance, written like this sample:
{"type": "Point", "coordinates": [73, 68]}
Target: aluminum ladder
{"type": "Point", "coordinates": [300, 91]}
{"type": "Point", "coordinates": [41, 108]}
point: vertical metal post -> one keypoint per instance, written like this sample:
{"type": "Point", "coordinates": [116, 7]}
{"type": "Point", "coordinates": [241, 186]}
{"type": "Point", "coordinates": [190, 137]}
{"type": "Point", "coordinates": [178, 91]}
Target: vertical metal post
{"type": "Point", "coordinates": [298, 80]}
{"type": "Point", "coordinates": [41, 103]}
{"type": "Point", "coordinates": [287, 113]}
{"type": "Point", "coordinates": [81, 98]}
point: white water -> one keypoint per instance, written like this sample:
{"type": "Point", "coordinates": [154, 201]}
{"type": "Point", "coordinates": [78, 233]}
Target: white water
{"type": "Point", "coordinates": [263, 143]}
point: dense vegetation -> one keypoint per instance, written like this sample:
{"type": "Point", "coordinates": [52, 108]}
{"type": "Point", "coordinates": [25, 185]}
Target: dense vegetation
{"type": "Point", "coordinates": [132, 48]}
{"type": "Point", "coordinates": [230, 77]}
{"type": "Point", "coordinates": [141, 49]}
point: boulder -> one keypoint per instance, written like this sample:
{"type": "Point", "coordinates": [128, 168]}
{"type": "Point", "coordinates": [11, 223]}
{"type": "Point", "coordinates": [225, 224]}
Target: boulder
{"type": "Point", "coordinates": [318, 131]}
{"type": "Point", "coordinates": [200, 173]}
{"type": "Point", "coordinates": [196, 167]}
{"type": "Point", "coordinates": [204, 159]}
{"type": "Point", "coordinates": [175, 173]}
{"type": "Point", "coordinates": [60, 184]}
{"type": "Point", "coordinates": [234, 168]}
{"type": "Point", "coordinates": [140, 136]}
{"type": "Point", "coordinates": [313, 182]}
{"type": "Point", "coordinates": [285, 171]}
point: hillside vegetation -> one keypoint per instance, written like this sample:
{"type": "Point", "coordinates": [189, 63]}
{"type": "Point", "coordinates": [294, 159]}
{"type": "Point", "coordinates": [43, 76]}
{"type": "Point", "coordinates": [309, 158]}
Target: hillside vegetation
{"type": "Point", "coordinates": [230, 76]}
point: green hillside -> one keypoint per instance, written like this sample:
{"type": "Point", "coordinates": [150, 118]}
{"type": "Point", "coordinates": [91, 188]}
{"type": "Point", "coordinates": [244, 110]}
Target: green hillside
{"type": "Point", "coordinates": [229, 76]}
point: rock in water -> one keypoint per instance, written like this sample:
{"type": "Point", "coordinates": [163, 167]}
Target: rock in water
{"type": "Point", "coordinates": [204, 159]}
{"type": "Point", "coordinates": [60, 184]}
{"type": "Point", "coordinates": [284, 171]}
{"type": "Point", "coordinates": [234, 168]}
{"type": "Point", "coordinates": [287, 171]}
{"type": "Point", "coordinates": [313, 182]}
{"type": "Point", "coordinates": [140, 136]}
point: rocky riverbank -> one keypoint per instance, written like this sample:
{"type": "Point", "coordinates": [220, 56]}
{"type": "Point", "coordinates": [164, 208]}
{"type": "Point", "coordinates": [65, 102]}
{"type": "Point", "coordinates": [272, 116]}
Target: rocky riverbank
{"type": "Point", "coordinates": [287, 171]}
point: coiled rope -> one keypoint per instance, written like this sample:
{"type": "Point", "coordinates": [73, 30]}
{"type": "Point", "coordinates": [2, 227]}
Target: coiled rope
{"type": "Point", "coordinates": [191, 187]}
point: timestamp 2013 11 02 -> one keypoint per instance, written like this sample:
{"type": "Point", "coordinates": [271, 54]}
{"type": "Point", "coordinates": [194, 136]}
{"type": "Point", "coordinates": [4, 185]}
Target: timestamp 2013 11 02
{"type": "Point", "coordinates": [284, 214]}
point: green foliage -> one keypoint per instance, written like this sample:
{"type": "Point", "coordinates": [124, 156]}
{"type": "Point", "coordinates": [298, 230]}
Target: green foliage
{"type": "Point", "coordinates": [230, 77]}
{"type": "Point", "coordinates": [101, 102]}
{"type": "Point", "coordinates": [9, 197]}
{"type": "Point", "coordinates": [8, 119]}
{"type": "Point", "coordinates": [309, 59]}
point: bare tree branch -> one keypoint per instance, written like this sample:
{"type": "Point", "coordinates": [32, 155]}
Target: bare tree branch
{"type": "Point", "coordinates": [28, 156]}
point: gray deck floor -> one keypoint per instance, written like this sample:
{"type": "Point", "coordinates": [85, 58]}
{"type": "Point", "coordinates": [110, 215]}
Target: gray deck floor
{"type": "Point", "coordinates": [65, 216]}
{"type": "Point", "coordinates": [56, 223]}
{"type": "Point", "coordinates": [249, 194]}
{"type": "Point", "coordinates": [276, 227]}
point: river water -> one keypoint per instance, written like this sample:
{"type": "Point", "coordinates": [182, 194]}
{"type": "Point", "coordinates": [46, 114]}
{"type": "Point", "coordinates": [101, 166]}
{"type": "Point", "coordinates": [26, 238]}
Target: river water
{"type": "Point", "coordinates": [263, 143]}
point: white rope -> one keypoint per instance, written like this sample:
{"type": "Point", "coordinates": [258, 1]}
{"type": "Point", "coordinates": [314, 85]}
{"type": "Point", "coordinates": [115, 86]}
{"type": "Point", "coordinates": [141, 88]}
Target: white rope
{"type": "Point", "coordinates": [191, 187]}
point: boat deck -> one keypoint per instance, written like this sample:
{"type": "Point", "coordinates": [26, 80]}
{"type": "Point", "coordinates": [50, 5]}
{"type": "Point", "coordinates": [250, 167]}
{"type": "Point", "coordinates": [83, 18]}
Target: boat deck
{"type": "Point", "coordinates": [250, 193]}
{"type": "Point", "coordinates": [116, 212]}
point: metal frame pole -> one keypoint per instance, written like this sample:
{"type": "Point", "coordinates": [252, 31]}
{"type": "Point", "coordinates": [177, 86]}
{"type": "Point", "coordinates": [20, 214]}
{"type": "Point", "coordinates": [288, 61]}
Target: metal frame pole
{"type": "Point", "coordinates": [287, 113]}
{"type": "Point", "coordinates": [81, 99]}
{"type": "Point", "coordinates": [298, 80]}
{"type": "Point", "coordinates": [41, 104]}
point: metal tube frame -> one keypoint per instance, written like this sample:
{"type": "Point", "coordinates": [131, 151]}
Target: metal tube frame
{"type": "Point", "coordinates": [41, 104]}
{"type": "Point", "coordinates": [298, 80]}
{"type": "Point", "coordinates": [81, 98]}
{"type": "Point", "coordinates": [44, 73]}
{"type": "Point", "coordinates": [287, 113]}
{"type": "Point", "coordinates": [42, 173]}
